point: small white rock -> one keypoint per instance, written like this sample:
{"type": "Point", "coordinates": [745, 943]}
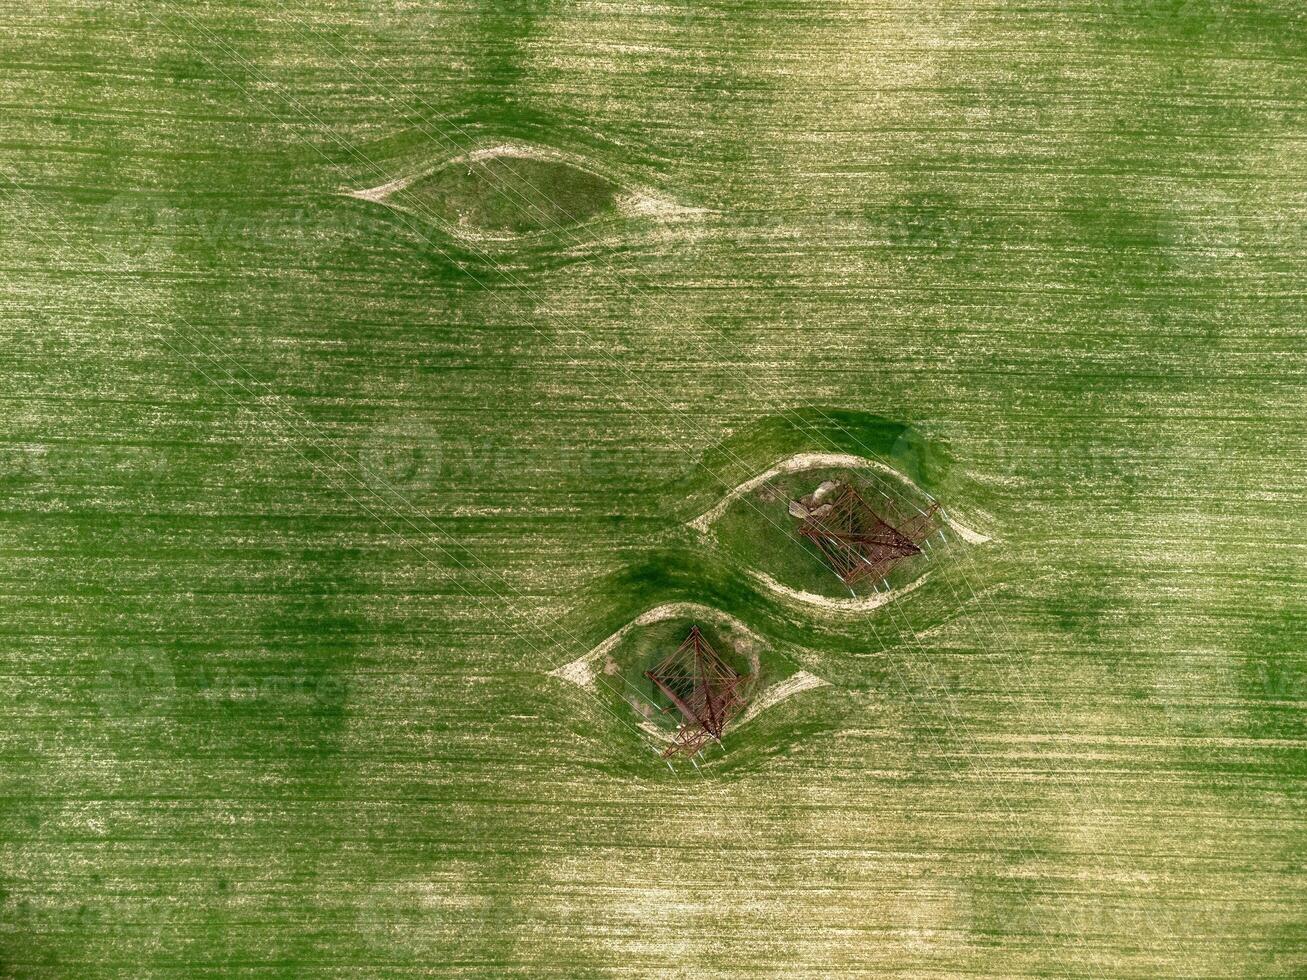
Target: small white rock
{"type": "Point", "coordinates": [824, 489]}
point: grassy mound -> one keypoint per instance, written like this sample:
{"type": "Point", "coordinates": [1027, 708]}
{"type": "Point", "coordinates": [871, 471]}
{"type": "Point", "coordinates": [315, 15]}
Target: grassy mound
{"type": "Point", "coordinates": [759, 530]}
{"type": "Point", "coordinates": [620, 675]}
{"type": "Point", "coordinates": [509, 195]}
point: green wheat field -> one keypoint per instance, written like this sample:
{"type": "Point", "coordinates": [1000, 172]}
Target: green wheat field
{"type": "Point", "coordinates": [387, 385]}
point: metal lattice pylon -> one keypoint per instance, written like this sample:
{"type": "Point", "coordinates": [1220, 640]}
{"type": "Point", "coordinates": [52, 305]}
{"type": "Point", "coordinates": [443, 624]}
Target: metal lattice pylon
{"type": "Point", "coordinates": [703, 687]}
{"type": "Point", "coordinates": [859, 543]}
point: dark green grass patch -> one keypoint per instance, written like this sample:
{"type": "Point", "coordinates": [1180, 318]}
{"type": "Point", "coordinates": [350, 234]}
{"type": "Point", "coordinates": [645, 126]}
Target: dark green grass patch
{"type": "Point", "coordinates": [760, 532]}
{"type": "Point", "coordinates": [508, 194]}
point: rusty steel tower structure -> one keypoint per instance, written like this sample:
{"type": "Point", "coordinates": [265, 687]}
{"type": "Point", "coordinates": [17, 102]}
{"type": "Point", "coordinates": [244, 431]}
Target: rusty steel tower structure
{"type": "Point", "coordinates": [859, 543]}
{"type": "Point", "coordinates": [703, 687]}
